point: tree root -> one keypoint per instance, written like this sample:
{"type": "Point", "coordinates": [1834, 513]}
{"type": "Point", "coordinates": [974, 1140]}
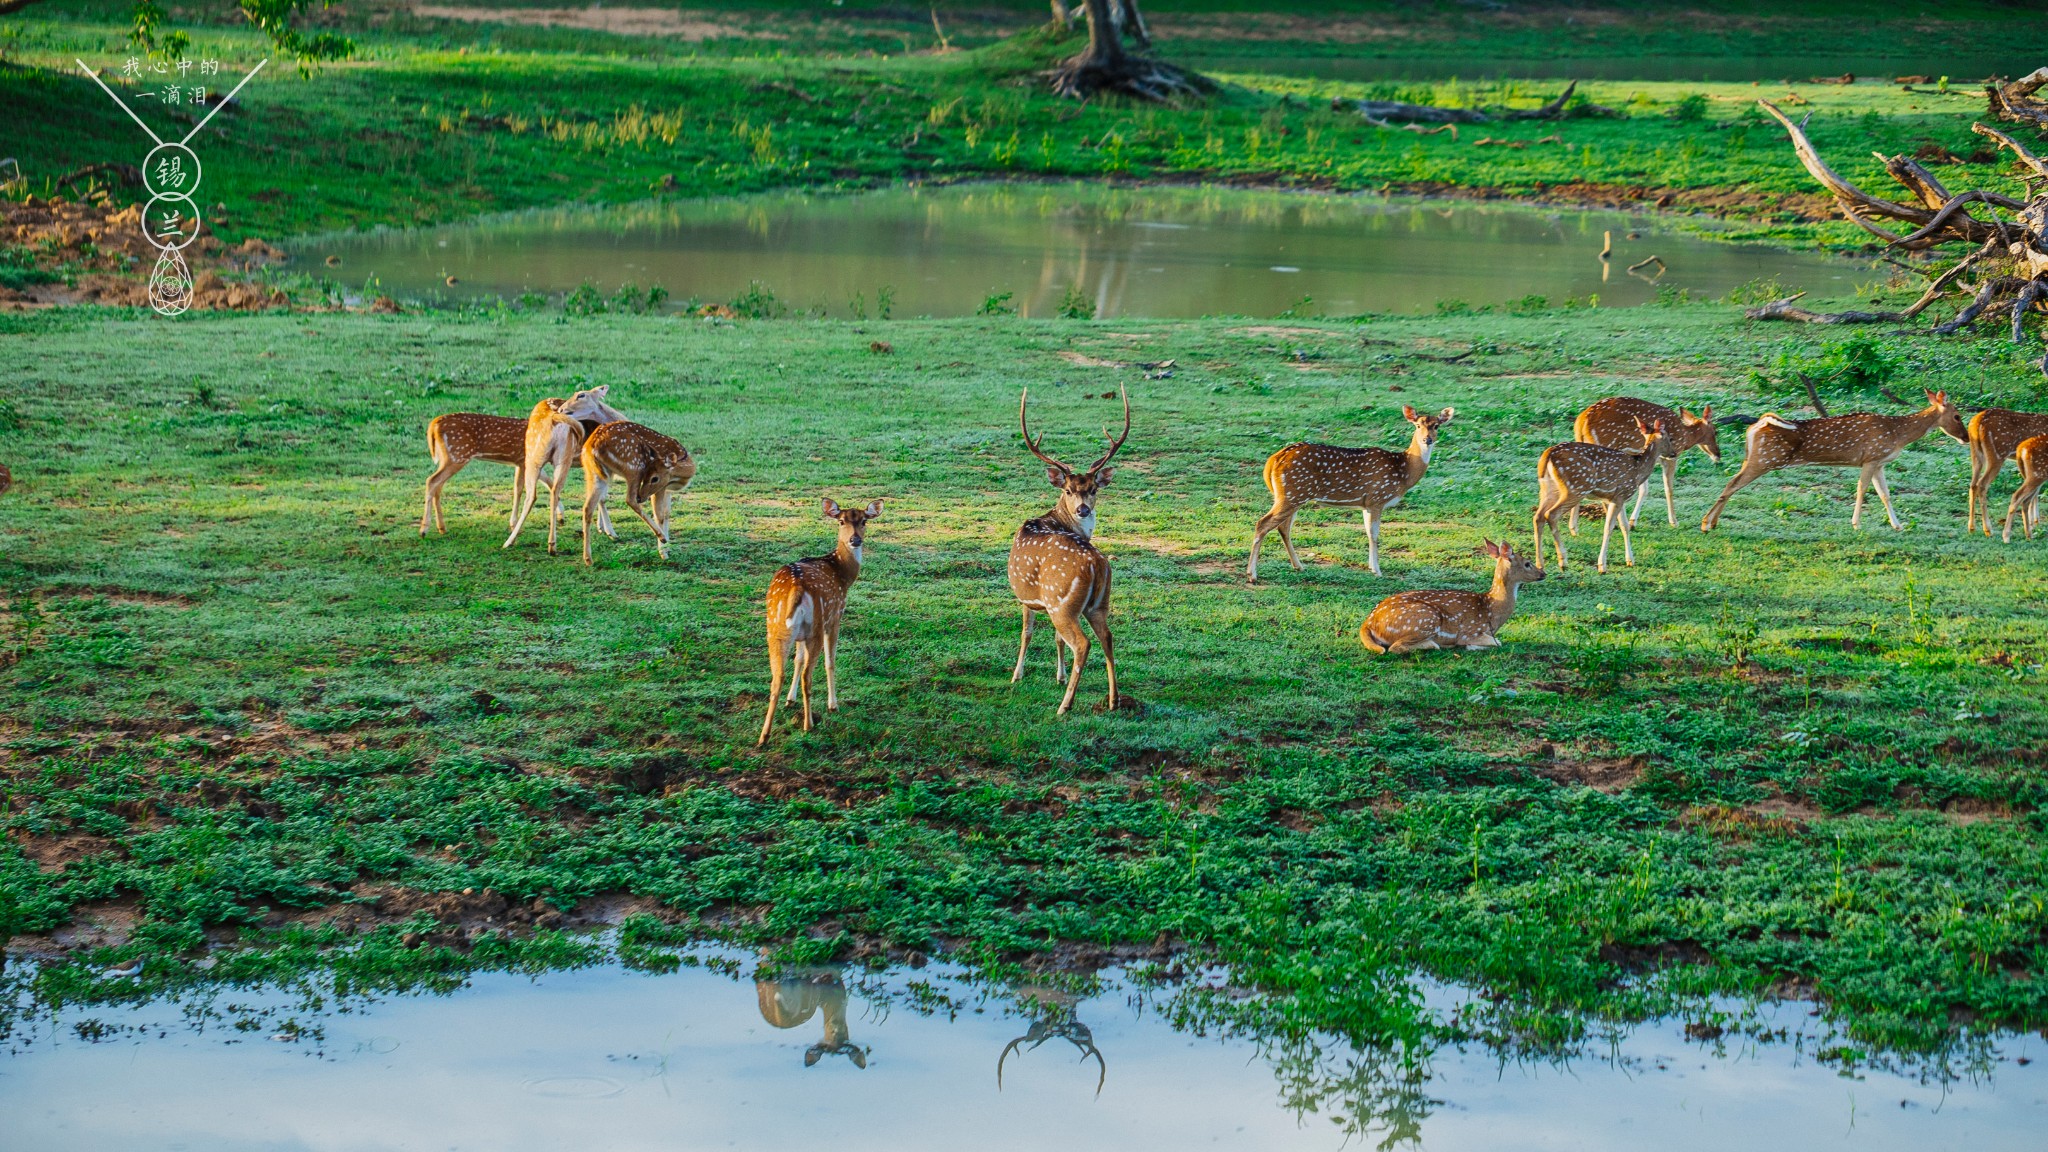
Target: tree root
{"type": "Point", "coordinates": [1136, 76]}
{"type": "Point", "coordinates": [1785, 309]}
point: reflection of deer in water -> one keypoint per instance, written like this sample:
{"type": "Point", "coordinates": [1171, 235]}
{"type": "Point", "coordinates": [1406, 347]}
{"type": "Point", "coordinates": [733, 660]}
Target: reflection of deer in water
{"type": "Point", "coordinates": [1058, 1021]}
{"type": "Point", "coordinates": [796, 997]}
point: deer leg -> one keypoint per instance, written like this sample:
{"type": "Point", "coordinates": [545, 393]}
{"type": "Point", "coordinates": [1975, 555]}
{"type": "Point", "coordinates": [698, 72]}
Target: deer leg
{"type": "Point", "coordinates": [1267, 523]}
{"type": "Point", "coordinates": [444, 471]}
{"type": "Point", "coordinates": [1372, 540]}
{"type": "Point", "coordinates": [802, 650]}
{"type": "Point", "coordinates": [1884, 493]}
{"type": "Point", "coordinates": [525, 489]}
{"type": "Point", "coordinates": [663, 517]}
{"type": "Point", "coordinates": [1741, 480]}
{"type": "Point", "coordinates": [831, 645]}
{"type": "Point", "coordinates": [1862, 483]}
{"type": "Point", "coordinates": [1068, 625]}
{"type": "Point", "coordinates": [660, 541]}
{"type": "Point", "coordinates": [1571, 522]}
{"type": "Point", "coordinates": [1615, 511]}
{"type": "Point", "coordinates": [1628, 551]}
{"type": "Point", "coordinates": [1023, 646]}
{"type": "Point", "coordinates": [594, 492]}
{"type": "Point", "coordinates": [1979, 492]}
{"type": "Point", "coordinates": [555, 483]}
{"type": "Point", "coordinates": [1670, 502]}
{"type": "Point", "coordinates": [1099, 621]}
{"type": "Point", "coordinates": [778, 652]}
{"type": "Point", "coordinates": [1059, 653]}
{"type": "Point", "coordinates": [806, 656]}
{"type": "Point", "coordinates": [1287, 538]}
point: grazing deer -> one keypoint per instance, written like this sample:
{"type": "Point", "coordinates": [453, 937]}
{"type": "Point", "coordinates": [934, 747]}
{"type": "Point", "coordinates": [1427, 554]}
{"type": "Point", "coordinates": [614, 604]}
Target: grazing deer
{"type": "Point", "coordinates": [795, 998]}
{"type": "Point", "coordinates": [1419, 621]}
{"type": "Point", "coordinates": [456, 438]}
{"type": "Point", "coordinates": [2032, 456]}
{"type": "Point", "coordinates": [1994, 434]}
{"type": "Point", "coordinates": [1861, 440]}
{"type": "Point", "coordinates": [1369, 479]}
{"type": "Point", "coordinates": [1570, 474]}
{"type": "Point", "coordinates": [806, 601]}
{"type": "Point", "coordinates": [1055, 567]}
{"type": "Point", "coordinates": [1612, 423]}
{"type": "Point", "coordinates": [646, 462]}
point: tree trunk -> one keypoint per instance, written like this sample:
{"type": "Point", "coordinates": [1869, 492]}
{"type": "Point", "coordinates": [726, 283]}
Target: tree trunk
{"type": "Point", "coordinates": [1131, 22]}
{"type": "Point", "coordinates": [1105, 46]}
{"type": "Point", "coordinates": [1104, 66]}
{"type": "Point", "coordinates": [1062, 15]}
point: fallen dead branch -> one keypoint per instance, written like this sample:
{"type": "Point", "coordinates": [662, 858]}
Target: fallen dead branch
{"type": "Point", "coordinates": [1785, 309]}
{"type": "Point", "coordinates": [127, 175]}
{"type": "Point", "coordinates": [2016, 101]}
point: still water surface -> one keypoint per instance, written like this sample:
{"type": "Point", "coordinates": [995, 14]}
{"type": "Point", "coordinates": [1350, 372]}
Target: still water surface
{"type": "Point", "coordinates": [1149, 252]}
{"type": "Point", "coordinates": [604, 1058]}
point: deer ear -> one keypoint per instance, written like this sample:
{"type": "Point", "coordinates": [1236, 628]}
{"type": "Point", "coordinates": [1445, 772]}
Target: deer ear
{"type": "Point", "coordinates": [1408, 411]}
{"type": "Point", "coordinates": [1056, 475]}
{"type": "Point", "coordinates": [1102, 476]}
{"type": "Point", "coordinates": [1446, 416]}
{"type": "Point", "coordinates": [600, 390]}
{"type": "Point", "coordinates": [1707, 413]}
{"type": "Point", "coordinates": [874, 509]}
{"type": "Point", "coordinates": [831, 508]}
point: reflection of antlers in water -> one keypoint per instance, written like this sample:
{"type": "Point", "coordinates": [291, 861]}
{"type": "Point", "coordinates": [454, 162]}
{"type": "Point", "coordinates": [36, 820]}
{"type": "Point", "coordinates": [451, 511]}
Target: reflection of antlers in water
{"type": "Point", "coordinates": [1072, 1031]}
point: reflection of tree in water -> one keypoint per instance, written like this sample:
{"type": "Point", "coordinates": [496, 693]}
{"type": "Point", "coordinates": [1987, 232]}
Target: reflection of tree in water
{"type": "Point", "coordinates": [796, 996]}
{"type": "Point", "coordinates": [1363, 1091]}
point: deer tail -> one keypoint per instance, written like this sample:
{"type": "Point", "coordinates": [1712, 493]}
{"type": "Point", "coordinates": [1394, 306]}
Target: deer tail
{"type": "Point", "coordinates": [1370, 638]}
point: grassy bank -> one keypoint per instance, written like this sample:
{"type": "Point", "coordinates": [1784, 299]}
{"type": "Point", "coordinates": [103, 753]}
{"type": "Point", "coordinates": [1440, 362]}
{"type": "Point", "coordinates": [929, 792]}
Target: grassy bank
{"type": "Point", "coordinates": [441, 120]}
{"type": "Point", "coordinates": [244, 698]}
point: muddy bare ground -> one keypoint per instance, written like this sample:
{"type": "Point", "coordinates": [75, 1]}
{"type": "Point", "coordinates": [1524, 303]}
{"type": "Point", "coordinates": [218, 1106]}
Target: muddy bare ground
{"type": "Point", "coordinates": [100, 248]}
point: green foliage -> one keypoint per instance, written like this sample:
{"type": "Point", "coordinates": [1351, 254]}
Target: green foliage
{"type": "Point", "coordinates": [1076, 304]}
{"type": "Point", "coordinates": [1688, 108]}
{"type": "Point", "coordinates": [998, 304]}
{"type": "Point", "coordinates": [758, 302]}
{"type": "Point", "coordinates": [1762, 290]}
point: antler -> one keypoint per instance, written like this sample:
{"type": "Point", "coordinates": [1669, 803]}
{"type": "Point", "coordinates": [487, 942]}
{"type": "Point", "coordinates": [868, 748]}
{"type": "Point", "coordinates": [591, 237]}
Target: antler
{"type": "Point", "coordinates": [1007, 1049]}
{"type": "Point", "coordinates": [1023, 422]}
{"type": "Point", "coordinates": [1119, 441]}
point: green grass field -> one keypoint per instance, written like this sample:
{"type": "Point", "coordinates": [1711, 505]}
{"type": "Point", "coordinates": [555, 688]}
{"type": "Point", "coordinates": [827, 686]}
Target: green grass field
{"type": "Point", "coordinates": [240, 690]}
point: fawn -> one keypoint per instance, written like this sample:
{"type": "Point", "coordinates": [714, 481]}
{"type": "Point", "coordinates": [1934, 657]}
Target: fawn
{"type": "Point", "coordinates": [646, 462]}
{"type": "Point", "coordinates": [1419, 621]}
{"type": "Point", "coordinates": [806, 601]}
{"type": "Point", "coordinates": [1569, 474]}
{"type": "Point", "coordinates": [1055, 567]}
{"type": "Point", "coordinates": [1369, 479]}
{"type": "Point", "coordinates": [1994, 434]}
{"type": "Point", "coordinates": [1863, 440]}
{"type": "Point", "coordinates": [1612, 422]}
{"type": "Point", "coordinates": [2032, 457]}
{"type": "Point", "coordinates": [456, 438]}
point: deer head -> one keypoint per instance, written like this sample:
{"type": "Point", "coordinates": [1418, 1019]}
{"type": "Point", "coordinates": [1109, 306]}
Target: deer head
{"type": "Point", "coordinates": [853, 522]}
{"type": "Point", "coordinates": [1656, 439]}
{"type": "Point", "coordinates": [1947, 417]}
{"type": "Point", "coordinates": [1510, 567]}
{"type": "Point", "coordinates": [1078, 488]}
{"type": "Point", "coordinates": [585, 405]}
{"type": "Point", "coordinates": [1426, 426]}
{"type": "Point", "coordinates": [675, 469]}
{"type": "Point", "coordinates": [1699, 431]}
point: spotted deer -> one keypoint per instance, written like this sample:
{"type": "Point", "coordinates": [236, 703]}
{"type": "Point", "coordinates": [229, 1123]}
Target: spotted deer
{"type": "Point", "coordinates": [1055, 567]}
{"type": "Point", "coordinates": [1612, 423]}
{"type": "Point", "coordinates": [456, 438]}
{"type": "Point", "coordinates": [649, 464]}
{"type": "Point", "coordinates": [1568, 475]}
{"type": "Point", "coordinates": [1994, 434]}
{"type": "Point", "coordinates": [806, 601]}
{"type": "Point", "coordinates": [1369, 479]}
{"type": "Point", "coordinates": [1861, 440]}
{"type": "Point", "coordinates": [1419, 621]}
{"type": "Point", "coordinates": [554, 441]}
{"type": "Point", "coordinates": [2032, 457]}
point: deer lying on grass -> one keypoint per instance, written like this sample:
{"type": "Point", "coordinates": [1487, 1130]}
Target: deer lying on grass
{"type": "Point", "coordinates": [1612, 423]}
{"type": "Point", "coordinates": [806, 601]}
{"type": "Point", "coordinates": [1862, 440]}
{"type": "Point", "coordinates": [1570, 474]}
{"type": "Point", "coordinates": [1055, 567]}
{"type": "Point", "coordinates": [1419, 621]}
{"type": "Point", "coordinates": [456, 438]}
{"type": "Point", "coordinates": [554, 439]}
{"type": "Point", "coordinates": [647, 463]}
{"type": "Point", "coordinates": [1369, 479]}
{"type": "Point", "coordinates": [2032, 456]}
{"type": "Point", "coordinates": [1994, 434]}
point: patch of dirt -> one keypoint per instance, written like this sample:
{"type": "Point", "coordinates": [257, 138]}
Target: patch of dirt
{"type": "Point", "coordinates": [53, 854]}
{"type": "Point", "coordinates": [119, 595]}
{"type": "Point", "coordinates": [1744, 823]}
{"type": "Point", "coordinates": [1612, 775]}
{"type": "Point", "coordinates": [693, 27]}
{"type": "Point", "coordinates": [1268, 331]}
{"type": "Point", "coordinates": [1642, 957]}
{"type": "Point", "coordinates": [103, 924]}
{"type": "Point", "coordinates": [466, 913]}
{"type": "Point", "coordinates": [266, 740]}
{"type": "Point", "coordinates": [1086, 361]}
{"type": "Point", "coordinates": [103, 247]}
{"type": "Point", "coordinates": [1973, 810]}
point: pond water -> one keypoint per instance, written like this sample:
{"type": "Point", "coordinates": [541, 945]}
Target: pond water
{"type": "Point", "coordinates": [910, 1060]}
{"type": "Point", "coordinates": [1148, 252]}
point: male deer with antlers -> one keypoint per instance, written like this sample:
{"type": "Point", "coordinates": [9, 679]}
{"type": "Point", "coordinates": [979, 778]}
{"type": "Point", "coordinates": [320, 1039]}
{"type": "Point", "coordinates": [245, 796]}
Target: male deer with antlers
{"type": "Point", "coordinates": [1055, 567]}
{"type": "Point", "coordinates": [1613, 423]}
{"type": "Point", "coordinates": [649, 464]}
{"type": "Point", "coordinates": [1862, 440]}
{"type": "Point", "coordinates": [1369, 479]}
{"type": "Point", "coordinates": [1994, 434]}
{"type": "Point", "coordinates": [1569, 474]}
{"type": "Point", "coordinates": [456, 438]}
{"type": "Point", "coordinates": [1420, 621]}
{"type": "Point", "coordinates": [806, 601]}
{"type": "Point", "coordinates": [2032, 456]}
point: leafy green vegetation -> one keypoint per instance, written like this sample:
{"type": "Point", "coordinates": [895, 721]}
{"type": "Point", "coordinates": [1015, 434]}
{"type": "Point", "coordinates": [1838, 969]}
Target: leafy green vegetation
{"type": "Point", "coordinates": [244, 698]}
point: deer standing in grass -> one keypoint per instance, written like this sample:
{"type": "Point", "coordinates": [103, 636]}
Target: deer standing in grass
{"type": "Point", "coordinates": [456, 438]}
{"type": "Point", "coordinates": [1369, 479]}
{"type": "Point", "coordinates": [1055, 567]}
{"type": "Point", "coordinates": [806, 601]}
{"type": "Point", "coordinates": [1570, 474]}
{"type": "Point", "coordinates": [1994, 434]}
{"type": "Point", "coordinates": [650, 465]}
{"type": "Point", "coordinates": [1419, 621]}
{"type": "Point", "coordinates": [554, 440]}
{"type": "Point", "coordinates": [1862, 440]}
{"type": "Point", "coordinates": [1612, 423]}
{"type": "Point", "coordinates": [2032, 457]}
